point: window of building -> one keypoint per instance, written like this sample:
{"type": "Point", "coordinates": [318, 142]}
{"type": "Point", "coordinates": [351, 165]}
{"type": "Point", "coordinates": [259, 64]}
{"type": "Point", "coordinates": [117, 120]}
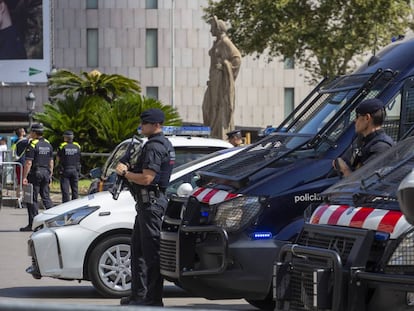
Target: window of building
{"type": "Point", "coordinates": [289, 100]}
{"type": "Point", "coordinates": [151, 4]}
{"type": "Point", "coordinates": [152, 92]}
{"type": "Point", "coordinates": [92, 47]}
{"type": "Point", "coordinates": [91, 4]}
{"type": "Point", "coordinates": [151, 48]}
{"type": "Point", "coordinates": [289, 63]}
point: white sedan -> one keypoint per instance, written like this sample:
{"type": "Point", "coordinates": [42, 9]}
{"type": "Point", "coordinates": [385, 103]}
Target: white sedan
{"type": "Point", "coordinates": [89, 238]}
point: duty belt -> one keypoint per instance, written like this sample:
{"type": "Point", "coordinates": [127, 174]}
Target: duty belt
{"type": "Point", "coordinates": [149, 194]}
{"type": "Point", "coordinates": [157, 190]}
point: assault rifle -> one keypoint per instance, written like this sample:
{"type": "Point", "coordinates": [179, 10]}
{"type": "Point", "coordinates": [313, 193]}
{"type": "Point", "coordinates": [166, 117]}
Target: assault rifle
{"type": "Point", "coordinates": [121, 182]}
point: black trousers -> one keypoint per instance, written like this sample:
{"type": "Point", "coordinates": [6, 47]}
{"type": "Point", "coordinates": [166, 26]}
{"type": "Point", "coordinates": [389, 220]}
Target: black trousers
{"type": "Point", "coordinates": [40, 180]}
{"type": "Point", "coordinates": [147, 282]}
{"type": "Point", "coordinates": [69, 179]}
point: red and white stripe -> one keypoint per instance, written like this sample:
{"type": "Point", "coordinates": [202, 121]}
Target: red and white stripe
{"type": "Point", "coordinates": [392, 222]}
{"type": "Point", "coordinates": [212, 196]}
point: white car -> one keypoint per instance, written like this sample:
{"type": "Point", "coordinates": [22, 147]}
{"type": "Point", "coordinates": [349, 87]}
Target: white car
{"type": "Point", "coordinates": [89, 238]}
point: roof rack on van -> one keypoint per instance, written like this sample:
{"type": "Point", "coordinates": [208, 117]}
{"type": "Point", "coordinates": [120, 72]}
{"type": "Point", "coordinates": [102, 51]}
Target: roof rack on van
{"type": "Point", "coordinates": [203, 131]}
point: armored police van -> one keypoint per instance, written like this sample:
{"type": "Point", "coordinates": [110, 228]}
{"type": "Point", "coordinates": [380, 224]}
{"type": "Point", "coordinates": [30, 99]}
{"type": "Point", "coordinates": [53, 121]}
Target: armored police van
{"type": "Point", "coordinates": [356, 251]}
{"type": "Point", "coordinates": [225, 240]}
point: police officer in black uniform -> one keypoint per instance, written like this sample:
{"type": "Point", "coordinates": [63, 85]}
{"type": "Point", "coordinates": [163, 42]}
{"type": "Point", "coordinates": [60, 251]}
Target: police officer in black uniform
{"type": "Point", "coordinates": [148, 181]}
{"type": "Point", "coordinates": [235, 138]}
{"type": "Point", "coordinates": [371, 140]}
{"type": "Point", "coordinates": [38, 170]}
{"type": "Point", "coordinates": [68, 159]}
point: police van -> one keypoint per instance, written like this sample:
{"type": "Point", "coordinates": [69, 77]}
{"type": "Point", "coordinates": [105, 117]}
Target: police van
{"type": "Point", "coordinates": [225, 240]}
{"type": "Point", "coordinates": [356, 250]}
{"type": "Point", "coordinates": [189, 142]}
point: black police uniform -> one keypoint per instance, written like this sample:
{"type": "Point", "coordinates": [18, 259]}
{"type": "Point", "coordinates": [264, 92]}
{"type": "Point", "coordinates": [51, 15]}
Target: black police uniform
{"type": "Point", "coordinates": [69, 163]}
{"type": "Point", "coordinates": [375, 143]}
{"type": "Point", "coordinates": [40, 151]}
{"type": "Point", "coordinates": [147, 283]}
{"type": "Point", "coordinates": [365, 148]}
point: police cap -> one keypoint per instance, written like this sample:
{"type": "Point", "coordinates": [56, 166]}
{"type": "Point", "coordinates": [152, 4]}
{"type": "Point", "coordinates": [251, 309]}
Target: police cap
{"type": "Point", "coordinates": [369, 106]}
{"type": "Point", "coordinates": [37, 128]}
{"type": "Point", "coordinates": [236, 133]}
{"type": "Point", "coordinates": [152, 115]}
{"type": "Point", "coordinates": [68, 133]}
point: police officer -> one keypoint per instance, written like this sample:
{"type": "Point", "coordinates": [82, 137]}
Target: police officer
{"type": "Point", "coordinates": [235, 138]}
{"type": "Point", "coordinates": [372, 139]}
{"type": "Point", "coordinates": [148, 181]}
{"type": "Point", "coordinates": [68, 159]}
{"type": "Point", "coordinates": [38, 170]}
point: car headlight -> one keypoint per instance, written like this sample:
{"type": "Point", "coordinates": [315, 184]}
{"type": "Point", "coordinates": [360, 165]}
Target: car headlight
{"type": "Point", "coordinates": [235, 214]}
{"type": "Point", "coordinates": [404, 253]}
{"type": "Point", "coordinates": [71, 218]}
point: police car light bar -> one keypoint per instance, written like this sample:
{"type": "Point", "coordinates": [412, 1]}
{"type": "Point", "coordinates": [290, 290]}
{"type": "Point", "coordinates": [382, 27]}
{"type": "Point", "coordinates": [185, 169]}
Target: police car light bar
{"type": "Point", "coordinates": [187, 130]}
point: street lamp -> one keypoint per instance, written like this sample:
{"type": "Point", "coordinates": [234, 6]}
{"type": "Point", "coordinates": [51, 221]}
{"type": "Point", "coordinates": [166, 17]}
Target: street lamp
{"type": "Point", "coordinates": [30, 105]}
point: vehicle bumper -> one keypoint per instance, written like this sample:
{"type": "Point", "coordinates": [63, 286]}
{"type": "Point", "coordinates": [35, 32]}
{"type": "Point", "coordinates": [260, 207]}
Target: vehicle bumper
{"type": "Point", "coordinates": [55, 254]}
{"type": "Point", "coordinates": [206, 261]}
{"type": "Point", "coordinates": [316, 278]}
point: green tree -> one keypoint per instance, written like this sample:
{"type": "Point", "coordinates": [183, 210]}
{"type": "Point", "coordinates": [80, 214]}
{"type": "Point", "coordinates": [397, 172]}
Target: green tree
{"type": "Point", "coordinates": [65, 83]}
{"type": "Point", "coordinates": [102, 110]}
{"type": "Point", "coordinates": [325, 36]}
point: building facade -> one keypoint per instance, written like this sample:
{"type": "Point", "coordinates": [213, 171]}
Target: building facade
{"type": "Point", "coordinates": [163, 44]}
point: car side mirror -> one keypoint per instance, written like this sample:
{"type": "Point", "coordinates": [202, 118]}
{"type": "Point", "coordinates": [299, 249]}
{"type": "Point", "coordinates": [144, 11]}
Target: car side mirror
{"type": "Point", "coordinates": [405, 196]}
{"type": "Point", "coordinates": [95, 172]}
{"type": "Point", "coordinates": [184, 190]}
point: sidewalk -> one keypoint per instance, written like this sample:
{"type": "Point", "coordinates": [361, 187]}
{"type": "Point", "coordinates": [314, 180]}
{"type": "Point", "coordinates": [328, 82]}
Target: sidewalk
{"type": "Point", "coordinates": [20, 291]}
{"type": "Point", "coordinates": [9, 199]}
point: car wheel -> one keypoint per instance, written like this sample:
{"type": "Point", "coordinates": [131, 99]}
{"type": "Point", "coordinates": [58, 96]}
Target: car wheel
{"type": "Point", "coordinates": [110, 266]}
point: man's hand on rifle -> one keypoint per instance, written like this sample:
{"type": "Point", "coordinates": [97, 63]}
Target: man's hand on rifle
{"type": "Point", "coordinates": [121, 169]}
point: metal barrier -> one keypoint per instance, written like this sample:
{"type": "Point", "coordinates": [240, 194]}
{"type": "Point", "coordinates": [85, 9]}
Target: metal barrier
{"type": "Point", "coordinates": [11, 189]}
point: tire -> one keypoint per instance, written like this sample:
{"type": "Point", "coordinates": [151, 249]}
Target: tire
{"type": "Point", "coordinates": [266, 304]}
{"type": "Point", "coordinates": [109, 266]}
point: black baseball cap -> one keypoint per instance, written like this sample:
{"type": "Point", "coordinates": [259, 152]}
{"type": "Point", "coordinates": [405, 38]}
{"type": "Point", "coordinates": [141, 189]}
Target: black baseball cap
{"type": "Point", "coordinates": [235, 133]}
{"type": "Point", "coordinates": [37, 128]}
{"type": "Point", "coordinates": [67, 133]}
{"type": "Point", "coordinates": [369, 106]}
{"type": "Point", "coordinates": [152, 115]}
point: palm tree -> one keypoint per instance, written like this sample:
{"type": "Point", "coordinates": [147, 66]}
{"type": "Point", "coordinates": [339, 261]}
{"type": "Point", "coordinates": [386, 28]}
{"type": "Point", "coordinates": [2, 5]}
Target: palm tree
{"type": "Point", "coordinates": [102, 110]}
{"type": "Point", "coordinates": [65, 83]}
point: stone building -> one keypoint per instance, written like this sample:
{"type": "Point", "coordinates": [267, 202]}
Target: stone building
{"type": "Point", "coordinates": [135, 38]}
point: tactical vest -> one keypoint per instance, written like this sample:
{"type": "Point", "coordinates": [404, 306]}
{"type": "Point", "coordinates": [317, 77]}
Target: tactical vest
{"type": "Point", "coordinates": [162, 178]}
{"type": "Point", "coordinates": [69, 155]}
{"type": "Point", "coordinates": [43, 153]}
{"type": "Point", "coordinates": [363, 151]}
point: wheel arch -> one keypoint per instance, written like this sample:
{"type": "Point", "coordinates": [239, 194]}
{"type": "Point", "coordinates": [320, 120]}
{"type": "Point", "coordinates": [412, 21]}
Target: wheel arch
{"type": "Point", "coordinates": [99, 239]}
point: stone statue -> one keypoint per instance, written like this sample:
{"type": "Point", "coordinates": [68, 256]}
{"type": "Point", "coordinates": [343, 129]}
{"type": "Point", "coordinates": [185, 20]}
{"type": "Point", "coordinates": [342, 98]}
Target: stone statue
{"type": "Point", "coordinates": [219, 98]}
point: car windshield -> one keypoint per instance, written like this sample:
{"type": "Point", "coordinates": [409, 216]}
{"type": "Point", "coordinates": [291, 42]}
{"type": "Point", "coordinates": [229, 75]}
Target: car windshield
{"type": "Point", "coordinates": [376, 183]}
{"type": "Point", "coordinates": [200, 158]}
{"type": "Point", "coordinates": [314, 127]}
